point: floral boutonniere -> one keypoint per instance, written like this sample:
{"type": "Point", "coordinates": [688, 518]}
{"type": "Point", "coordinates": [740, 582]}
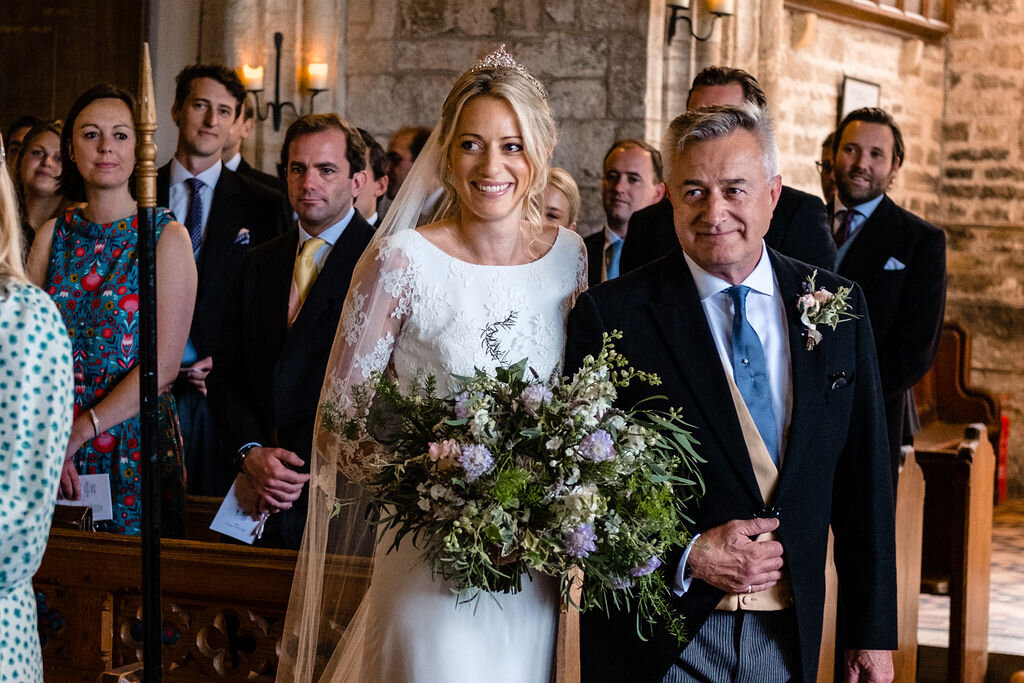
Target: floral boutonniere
{"type": "Point", "coordinates": [822, 307]}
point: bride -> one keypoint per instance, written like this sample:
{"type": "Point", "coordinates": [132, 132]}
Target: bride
{"type": "Point", "coordinates": [421, 301]}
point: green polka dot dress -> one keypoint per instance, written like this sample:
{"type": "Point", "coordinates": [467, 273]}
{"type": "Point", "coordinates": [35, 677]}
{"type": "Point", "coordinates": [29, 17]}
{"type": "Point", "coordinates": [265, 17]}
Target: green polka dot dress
{"type": "Point", "coordinates": [36, 406]}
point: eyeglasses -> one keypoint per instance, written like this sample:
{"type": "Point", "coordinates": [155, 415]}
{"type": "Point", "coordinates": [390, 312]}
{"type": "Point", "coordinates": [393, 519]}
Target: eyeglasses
{"type": "Point", "coordinates": [824, 166]}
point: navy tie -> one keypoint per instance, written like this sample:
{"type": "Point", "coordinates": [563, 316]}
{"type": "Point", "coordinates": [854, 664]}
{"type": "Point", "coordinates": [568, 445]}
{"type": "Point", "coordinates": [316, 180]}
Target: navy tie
{"type": "Point", "coordinates": [194, 220]}
{"type": "Point", "coordinates": [751, 371]}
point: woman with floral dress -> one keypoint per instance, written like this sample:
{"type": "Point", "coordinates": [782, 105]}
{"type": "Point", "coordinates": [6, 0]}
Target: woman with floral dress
{"type": "Point", "coordinates": [86, 260]}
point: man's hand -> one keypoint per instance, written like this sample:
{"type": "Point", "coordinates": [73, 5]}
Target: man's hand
{"type": "Point", "coordinates": [867, 666]}
{"type": "Point", "coordinates": [726, 558]}
{"type": "Point", "coordinates": [196, 373]}
{"type": "Point", "coordinates": [70, 489]}
{"type": "Point", "coordinates": [276, 484]}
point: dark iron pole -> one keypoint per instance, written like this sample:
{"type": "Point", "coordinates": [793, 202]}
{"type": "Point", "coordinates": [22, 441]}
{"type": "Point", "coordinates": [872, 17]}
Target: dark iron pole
{"type": "Point", "coordinates": [145, 175]}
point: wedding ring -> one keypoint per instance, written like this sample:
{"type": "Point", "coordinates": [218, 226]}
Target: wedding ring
{"type": "Point", "coordinates": [749, 588]}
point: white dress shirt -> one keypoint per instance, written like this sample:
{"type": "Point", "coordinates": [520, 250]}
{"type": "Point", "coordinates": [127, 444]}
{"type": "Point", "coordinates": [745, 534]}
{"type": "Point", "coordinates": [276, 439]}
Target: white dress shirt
{"type": "Point", "coordinates": [178, 192]}
{"type": "Point", "coordinates": [234, 162]}
{"type": "Point", "coordinates": [766, 313]}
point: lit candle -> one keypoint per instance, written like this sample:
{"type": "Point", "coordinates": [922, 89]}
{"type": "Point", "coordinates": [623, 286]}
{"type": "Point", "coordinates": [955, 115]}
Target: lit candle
{"type": "Point", "coordinates": [317, 76]}
{"type": "Point", "coordinates": [252, 77]}
{"type": "Point", "coordinates": [725, 7]}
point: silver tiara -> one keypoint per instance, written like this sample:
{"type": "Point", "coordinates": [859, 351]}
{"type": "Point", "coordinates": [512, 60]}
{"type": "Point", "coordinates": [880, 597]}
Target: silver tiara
{"type": "Point", "coordinates": [501, 59]}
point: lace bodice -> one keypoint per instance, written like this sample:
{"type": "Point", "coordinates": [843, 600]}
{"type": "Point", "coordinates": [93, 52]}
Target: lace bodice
{"type": "Point", "coordinates": [414, 309]}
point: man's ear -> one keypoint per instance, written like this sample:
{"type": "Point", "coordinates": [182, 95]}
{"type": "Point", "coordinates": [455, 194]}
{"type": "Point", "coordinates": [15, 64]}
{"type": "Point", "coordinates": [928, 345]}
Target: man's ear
{"type": "Point", "coordinates": [358, 181]}
{"type": "Point", "coordinates": [775, 187]}
{"type": "Point", "coordinates": [660, 192]}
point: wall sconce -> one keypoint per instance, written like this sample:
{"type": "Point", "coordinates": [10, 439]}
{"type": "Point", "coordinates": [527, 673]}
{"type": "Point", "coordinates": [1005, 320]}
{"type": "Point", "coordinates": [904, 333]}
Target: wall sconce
{"type": "Point", "coordinates": [717, 8]}
{"type": "Point", "coordinates": [252, 78]}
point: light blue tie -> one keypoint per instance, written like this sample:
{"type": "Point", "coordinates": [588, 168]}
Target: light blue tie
{"type": "Point", "coordinates": [751, 371]}
{"type": "Point", "coordinates": [611, 271]}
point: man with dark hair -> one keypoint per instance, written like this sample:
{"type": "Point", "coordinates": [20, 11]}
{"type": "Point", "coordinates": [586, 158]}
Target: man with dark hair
{"type": "Point", "coordinates": [225, 214]}
{"type": "Point", "coordinates": [240, 131]}
{"type": "Point", "coordinates": [631, 180]}
{"type": "Point", "coordinates": [799, 225]}
{"type": "Point", "coordinates": [897, 258]}
{"type": "Point", "coordinates": [708, 81]}
{"type": "Point", "coordinates": [281, 320]}
{"type": "Point", "coordinates": [376, 179]}
{"type": "Point", "coordinates": [403, 148]}
{"type": "Point", "coordinates": [792, 438]}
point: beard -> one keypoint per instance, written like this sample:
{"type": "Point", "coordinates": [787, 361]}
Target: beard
{"type": "Point", "coordinates": [852, 194]}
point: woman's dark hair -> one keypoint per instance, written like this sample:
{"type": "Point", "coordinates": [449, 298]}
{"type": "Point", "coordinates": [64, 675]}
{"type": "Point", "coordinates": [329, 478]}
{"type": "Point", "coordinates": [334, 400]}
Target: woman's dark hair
{"type": "Point", "coordinates": [71, 184]}
{"type": "Point", "coordinates": [34, 132]}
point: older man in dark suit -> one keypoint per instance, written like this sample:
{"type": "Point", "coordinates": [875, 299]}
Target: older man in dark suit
{"type": "Point", "coordinates": [792, 433]}
{"type": "Point", "coordinates": [225, 215]}
{"type": "Point", "coordinates": [281, 318]}
{"type": "Point", "coordinates": [898, 259]}
{"type": "Point", "coordinates": [798, 228]}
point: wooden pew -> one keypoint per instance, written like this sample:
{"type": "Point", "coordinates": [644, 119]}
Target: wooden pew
{"type": "Point", "coordinates": [909, 511]}
{"type": "Point", "coordinates": [957, 551]}
{"type": "Point", "coordinates": [956, 449]}
{"type": "Point", "coordinates": [223, 606]}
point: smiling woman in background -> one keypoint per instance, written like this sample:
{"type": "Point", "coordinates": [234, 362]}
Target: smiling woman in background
{"type": "Point", "coordinates": [35, 420]}
{"type": "Point", "coordinates": [86, 261]}
{"type": "Point", "coordinates": [38, 178]}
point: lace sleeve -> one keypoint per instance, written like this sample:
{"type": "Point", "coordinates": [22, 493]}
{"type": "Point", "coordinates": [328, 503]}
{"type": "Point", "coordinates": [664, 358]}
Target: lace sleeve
{"type": "Point", "coordinates": [376, 306]}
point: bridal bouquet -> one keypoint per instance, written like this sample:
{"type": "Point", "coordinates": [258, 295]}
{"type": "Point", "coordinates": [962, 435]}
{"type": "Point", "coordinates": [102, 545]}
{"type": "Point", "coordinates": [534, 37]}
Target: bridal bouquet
{"type": "Point", "coordinates": [518, 473]}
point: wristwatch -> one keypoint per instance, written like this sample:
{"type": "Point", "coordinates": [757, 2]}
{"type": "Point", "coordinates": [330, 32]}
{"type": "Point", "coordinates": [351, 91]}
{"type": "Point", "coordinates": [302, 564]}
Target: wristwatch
{"type": "Point", "coordinates": [242, 452]}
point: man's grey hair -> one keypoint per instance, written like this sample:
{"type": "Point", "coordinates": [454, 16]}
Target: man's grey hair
{"type": "Point", "coordinates": [710, 123]}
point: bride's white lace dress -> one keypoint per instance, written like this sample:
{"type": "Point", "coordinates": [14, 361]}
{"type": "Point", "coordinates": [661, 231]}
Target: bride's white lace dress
{"type": "Point", "coordinates": [423, 311]}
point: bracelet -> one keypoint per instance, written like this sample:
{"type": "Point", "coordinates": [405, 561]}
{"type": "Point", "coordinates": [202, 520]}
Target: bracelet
{"type": "Point", "coordinates": [95, 423]}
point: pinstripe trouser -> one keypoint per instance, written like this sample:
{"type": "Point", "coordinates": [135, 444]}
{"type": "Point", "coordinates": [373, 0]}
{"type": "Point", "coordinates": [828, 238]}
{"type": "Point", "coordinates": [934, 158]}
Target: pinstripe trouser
{"type": "Point", "coordinates": [741, 647]}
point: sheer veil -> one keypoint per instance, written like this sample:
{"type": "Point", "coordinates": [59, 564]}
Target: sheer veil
{"type": "Point", "coordinates": [335, 559]}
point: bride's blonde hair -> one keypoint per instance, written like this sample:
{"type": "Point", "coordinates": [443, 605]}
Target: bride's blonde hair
{"type": "Point", "coordinates": [536, 124]}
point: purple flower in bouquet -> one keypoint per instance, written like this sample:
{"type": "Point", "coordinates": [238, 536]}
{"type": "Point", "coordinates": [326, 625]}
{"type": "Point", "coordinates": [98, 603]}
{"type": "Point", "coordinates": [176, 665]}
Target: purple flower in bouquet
{"type": "Point", "coordinates": [597, 446]}
{"type": "Point", "coordinates": [462, 405]}
{"type": "Point", "coordinates": [581, 540]}
{"type": "Point", "coordinates": [476, 460]}
{"type": "Point", "coordinates": [646, 568]}
{"type": "Point", "coordinates": [535, 395]}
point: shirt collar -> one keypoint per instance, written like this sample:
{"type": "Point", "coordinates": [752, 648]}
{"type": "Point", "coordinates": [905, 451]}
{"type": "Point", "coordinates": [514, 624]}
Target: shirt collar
{"type": "Point", "coordinates": [865, 209]}
{"type": "Point", "coordinates": [331, 234]}
{"type": "Point", "coordinates": [234, 162]}
{"type": "Point", "coordinates": [760, 279]}
{"type": "Point", "coordinates": [610, 236]}
{"type": "Point", "coordinates": [210, 176]}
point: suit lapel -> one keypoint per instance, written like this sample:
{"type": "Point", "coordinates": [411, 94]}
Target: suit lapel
{"type": "Point", "coordinates": [222, 225]}
{"type": "Point", "coordinates": [808, 372]}
{"type": "Point", "coordinates": [679, 317]}
{"type": "Point", "coordinates": [873, 244]}
{"type": "Point", "coordinates": [274, 287]}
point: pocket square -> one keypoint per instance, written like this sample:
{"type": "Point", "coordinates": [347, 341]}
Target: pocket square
{"type": "Point", "coordinates": [894, 264]}
{"type": "Point", "coordinates": [243, 238]}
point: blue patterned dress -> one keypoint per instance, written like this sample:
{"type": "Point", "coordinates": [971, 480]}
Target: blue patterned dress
{"type": "Point", "coordinates": [35, 422]}
{"type": "Point", "coordinates": [94, 279]}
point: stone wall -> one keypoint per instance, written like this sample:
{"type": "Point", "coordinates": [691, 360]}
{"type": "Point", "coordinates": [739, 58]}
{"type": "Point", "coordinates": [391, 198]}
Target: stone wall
{"type": "Point", "coordinates": [403, 56]}
{"type": "Point", "coordinates": [982, 200]}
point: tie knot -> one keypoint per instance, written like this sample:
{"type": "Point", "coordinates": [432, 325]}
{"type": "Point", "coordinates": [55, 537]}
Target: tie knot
{"type": "Point", "coordinates": [738, 294]}
{"type": "Point", "coordinates": [310, 247]}
{"type": "Point", "coordinates": [194, 185]}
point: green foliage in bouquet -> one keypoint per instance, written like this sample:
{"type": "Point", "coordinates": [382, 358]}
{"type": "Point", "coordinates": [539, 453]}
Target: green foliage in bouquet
{"type": "Point", "coordinates": [519, 474]}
